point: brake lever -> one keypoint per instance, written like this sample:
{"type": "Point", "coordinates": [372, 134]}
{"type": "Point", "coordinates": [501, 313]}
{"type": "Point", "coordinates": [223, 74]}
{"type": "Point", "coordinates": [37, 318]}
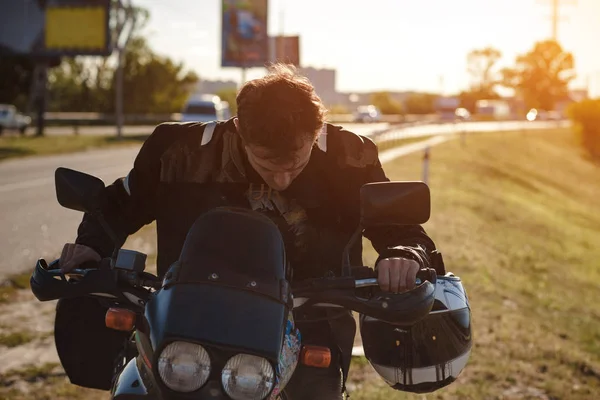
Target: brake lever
{"type": "Point", "coordinates": [399, 308]}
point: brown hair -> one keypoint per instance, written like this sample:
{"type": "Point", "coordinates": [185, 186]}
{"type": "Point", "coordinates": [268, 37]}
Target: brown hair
{"type": "Point", "coordinates": [279, 111]}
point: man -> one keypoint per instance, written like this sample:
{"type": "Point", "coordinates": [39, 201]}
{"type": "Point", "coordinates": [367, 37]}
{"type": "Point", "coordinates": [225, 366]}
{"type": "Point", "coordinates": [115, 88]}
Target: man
{"type": "Point", "coordinates": [277, 157]}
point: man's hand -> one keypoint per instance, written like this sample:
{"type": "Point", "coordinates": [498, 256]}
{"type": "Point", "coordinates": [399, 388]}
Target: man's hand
{"type": "Point", "coordinates": [73, 255]}
{"type": "Point", "coordinates": [397, 274]}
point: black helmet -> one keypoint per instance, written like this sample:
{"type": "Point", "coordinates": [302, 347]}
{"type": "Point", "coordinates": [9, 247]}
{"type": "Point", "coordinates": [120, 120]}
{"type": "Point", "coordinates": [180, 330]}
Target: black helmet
{"type": "Point", "coordinates": [430, 354]}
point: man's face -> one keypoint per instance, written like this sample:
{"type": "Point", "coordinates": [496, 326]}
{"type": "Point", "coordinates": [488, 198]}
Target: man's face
{"type": "Point", "coordinates": [278, 174]}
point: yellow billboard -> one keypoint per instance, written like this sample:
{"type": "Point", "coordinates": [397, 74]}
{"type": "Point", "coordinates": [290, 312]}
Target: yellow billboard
{"type": "Point", "coordinates": [76, 28]}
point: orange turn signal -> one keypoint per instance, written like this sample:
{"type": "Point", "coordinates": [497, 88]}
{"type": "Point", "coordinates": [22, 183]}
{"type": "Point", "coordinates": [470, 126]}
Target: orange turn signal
{"type": "Point", "coordinates": [315, 356]}
{"type": "Point", "coordinates": [120, 319]}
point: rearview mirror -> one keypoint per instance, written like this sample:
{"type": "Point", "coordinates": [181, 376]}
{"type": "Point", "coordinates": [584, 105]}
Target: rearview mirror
{"type": "Point", "coordinates": [403, 203]}
{"type": "Point", "coordinates": [76, 190]}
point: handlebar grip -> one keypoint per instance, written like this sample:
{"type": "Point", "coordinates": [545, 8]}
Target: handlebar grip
{"type": "Point", "coordinates": [427, 274]}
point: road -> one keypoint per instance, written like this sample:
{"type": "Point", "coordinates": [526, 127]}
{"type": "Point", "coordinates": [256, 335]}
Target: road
{"type": "Point", "coordinates": [34, 225]}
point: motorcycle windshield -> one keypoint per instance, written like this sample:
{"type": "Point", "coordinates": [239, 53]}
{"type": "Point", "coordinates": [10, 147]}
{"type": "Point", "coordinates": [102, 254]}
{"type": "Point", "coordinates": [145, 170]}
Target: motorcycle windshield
{"type": "Point", "coordinates": [225, 291]}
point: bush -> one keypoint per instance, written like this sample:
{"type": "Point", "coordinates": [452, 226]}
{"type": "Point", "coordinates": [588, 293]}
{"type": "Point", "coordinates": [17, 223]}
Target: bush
{"type": "Point", "coordinates": [586, 116]}
{"type": "Point", "coordinates": [386, 104]}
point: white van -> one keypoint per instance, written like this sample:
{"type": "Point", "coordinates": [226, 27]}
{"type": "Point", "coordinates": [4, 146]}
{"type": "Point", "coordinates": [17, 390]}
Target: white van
{"type": "Point", "coordinates": [204, 108]}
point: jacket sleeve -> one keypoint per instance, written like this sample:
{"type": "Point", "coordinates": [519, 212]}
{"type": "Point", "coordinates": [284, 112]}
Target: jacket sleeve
{"type": "Point", "coordinates": [130, 202]}
{"type": "Point", "coordinates": [407, 241]}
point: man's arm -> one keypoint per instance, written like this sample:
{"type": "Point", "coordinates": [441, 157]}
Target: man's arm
{"type": "Point", "coordinates": [405, 241]}
{"type": "Point", "coordinates": [129, 202]}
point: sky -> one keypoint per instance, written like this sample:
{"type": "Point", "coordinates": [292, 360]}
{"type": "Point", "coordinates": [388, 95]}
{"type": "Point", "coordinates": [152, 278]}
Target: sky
{"type": "Point", "coordinates": [386, 44]}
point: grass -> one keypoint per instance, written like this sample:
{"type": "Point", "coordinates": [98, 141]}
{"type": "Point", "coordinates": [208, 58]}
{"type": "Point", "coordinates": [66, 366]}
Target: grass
{"type": "Point", "coordinates": [10, 286]}
{"type": "Point", "coordinates": [15, 339]}
{"type": "Point", "coordinates": [15, 146]}
{"type": "Point", "coordinates": [516, 216]}
{"type": "Point", "coordinates": [45, 382]}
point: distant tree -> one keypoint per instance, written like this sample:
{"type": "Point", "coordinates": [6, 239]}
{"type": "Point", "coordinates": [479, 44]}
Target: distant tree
{"type": "Point", "coordinates": [420, 103]}
{"type": "Point", "coordinates": [16, 72]}
{"type": "Point", "coordinates": [586, 117]}
{"type": "Point", "coordinates": [541, 77]}
{"type": "Point", "coordinates": [229, 95]}
{"type": "Point", "coordinates": [153, 83]}
{"type": "Point", "coordinates": [80, 84]}
{"type": "Point", "coordinates": [481, 64]}
{"type": "Point", "coordinates": [386, 104]}
{"type": "Point", "coordinates": [339, 109]}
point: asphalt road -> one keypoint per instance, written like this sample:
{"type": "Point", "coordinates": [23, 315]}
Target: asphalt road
{"type": "Point", "coordinates": [34, 225]}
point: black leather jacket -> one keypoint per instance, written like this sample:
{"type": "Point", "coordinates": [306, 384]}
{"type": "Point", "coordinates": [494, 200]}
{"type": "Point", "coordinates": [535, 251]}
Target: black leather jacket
{"type": "Point", "coordinates": [182, 171]}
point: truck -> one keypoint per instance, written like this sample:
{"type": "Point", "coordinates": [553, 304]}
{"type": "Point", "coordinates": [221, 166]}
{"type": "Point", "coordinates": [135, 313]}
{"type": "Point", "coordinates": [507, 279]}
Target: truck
{"type": "Point", "coordinates": [493, 109]}
{"type": "Point", "coordinates": [11, 119]}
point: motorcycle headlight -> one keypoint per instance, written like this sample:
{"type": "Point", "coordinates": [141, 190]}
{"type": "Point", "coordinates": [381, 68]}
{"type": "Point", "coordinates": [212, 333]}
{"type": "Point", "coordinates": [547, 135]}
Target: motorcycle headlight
{"type": "Point", "coordinates": [184, 367]}
{"type": "Point", "coordinates": [247, 377]}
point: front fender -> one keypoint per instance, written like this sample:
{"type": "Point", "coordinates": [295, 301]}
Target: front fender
{"type": "Point", "coordinates": [129, 384]}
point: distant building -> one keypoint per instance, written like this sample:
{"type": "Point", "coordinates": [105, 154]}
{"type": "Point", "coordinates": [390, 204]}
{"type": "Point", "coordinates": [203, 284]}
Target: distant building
{"type": "Point", "coordinates": [213, 87]}
{"type": "Point", "coordinates": [324, 82]}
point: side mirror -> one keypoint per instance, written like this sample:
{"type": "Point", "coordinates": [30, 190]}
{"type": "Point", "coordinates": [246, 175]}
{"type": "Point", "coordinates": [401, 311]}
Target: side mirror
{"type": "Point", "coordinates": [76, 190]}
{"type": "Point", "coordinates": [388, 203]}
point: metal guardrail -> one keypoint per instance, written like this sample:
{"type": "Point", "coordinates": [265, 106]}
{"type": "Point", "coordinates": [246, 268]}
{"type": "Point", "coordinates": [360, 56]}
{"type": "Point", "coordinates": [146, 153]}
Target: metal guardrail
{"type": "Point", "coordinates": [92, 118]}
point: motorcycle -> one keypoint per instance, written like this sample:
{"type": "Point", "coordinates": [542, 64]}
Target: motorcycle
{"type": "Point", "coordinates": [219, 324]}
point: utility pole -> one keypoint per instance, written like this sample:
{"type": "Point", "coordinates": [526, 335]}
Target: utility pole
{"type": "Point", "coordinates": [126, 18]}
{"type": "Point", "coordinates": [556, 15]}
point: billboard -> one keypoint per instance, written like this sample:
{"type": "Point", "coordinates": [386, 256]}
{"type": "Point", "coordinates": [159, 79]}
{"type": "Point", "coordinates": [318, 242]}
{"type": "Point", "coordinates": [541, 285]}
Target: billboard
{"type": "Point", "coordinates": [244, 37]}
{"type": "Point", "coordinates": [54, 28]}
{"type": "Point", "coordinates": [285, 49]}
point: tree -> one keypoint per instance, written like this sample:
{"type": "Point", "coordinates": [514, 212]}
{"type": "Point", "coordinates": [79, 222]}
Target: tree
{"type": "Point", "coordinates": [152, 83]}
{"type": "Point", "coordinates": [16, 72]}
{"type": "Point", "coordinates": [541, 77]}
{"type": "Point", "coordinates": [229, 95]}
{"type": "Point", "coordinates": [586, 116]}
{"type": "Point", "coordinates": [386, 104]}
{"type": "Point", "coordinates": [80, 84]}
{"type": "Point", "coordinates": [420, 103]}
{"type": "Point", "coordinates": [481, 64]}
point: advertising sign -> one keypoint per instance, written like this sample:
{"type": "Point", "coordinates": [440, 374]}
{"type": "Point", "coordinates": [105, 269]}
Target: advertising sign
{"type": "Point", "coordinates": [56, 28]}
{"type": "Point", "coordinates": [244, 37]}
{"type": "Point", "coordinates": [285, 49]}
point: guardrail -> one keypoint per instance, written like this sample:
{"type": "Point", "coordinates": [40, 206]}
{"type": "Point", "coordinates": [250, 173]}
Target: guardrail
{"type": "Point", "coordinates": [92, 118]}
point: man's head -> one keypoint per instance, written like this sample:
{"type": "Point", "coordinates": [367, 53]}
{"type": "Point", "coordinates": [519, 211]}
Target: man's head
{"type": "Point", "coordinates": [279, 119]}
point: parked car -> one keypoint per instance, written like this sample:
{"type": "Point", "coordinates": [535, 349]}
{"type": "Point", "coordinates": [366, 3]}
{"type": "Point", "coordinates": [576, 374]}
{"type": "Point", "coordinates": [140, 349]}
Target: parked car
{"type": "Point", "coordinates": [541, 115]}
{"type": "Point", "coordinates": [367, 114]}
{"type": "Point", "coordinates": [462, 114]}
{"type": "Point", "coordinates": [205, 108]}
{"type": "Point", "coordinates": [11, 119]}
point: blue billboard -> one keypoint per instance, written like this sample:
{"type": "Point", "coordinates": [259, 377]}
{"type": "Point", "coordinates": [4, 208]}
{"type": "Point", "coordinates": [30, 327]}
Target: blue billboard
{"type": "Point", "coordinates": [244, 36]}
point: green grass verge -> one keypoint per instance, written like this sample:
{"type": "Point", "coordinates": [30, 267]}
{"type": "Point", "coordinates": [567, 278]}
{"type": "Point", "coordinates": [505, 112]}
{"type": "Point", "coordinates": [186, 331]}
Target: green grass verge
{"type": "Point", "coordinates": [517, 216]}
{"type": "Point", "coordinates": [15, 146]}
{"type": "Point", "coordinates": [9, 286]}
